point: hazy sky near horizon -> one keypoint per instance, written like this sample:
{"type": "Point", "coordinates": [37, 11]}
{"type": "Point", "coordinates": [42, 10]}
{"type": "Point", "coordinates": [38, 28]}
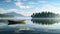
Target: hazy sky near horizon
{"type": "Point", "coordinates": [27, 7]}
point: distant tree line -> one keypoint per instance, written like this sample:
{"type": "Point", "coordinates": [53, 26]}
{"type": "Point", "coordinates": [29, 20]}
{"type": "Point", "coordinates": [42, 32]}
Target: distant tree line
{"type": "Point", "coordinates": [45, 15]}
{"type": "Point", "coordinates": [5, 16]}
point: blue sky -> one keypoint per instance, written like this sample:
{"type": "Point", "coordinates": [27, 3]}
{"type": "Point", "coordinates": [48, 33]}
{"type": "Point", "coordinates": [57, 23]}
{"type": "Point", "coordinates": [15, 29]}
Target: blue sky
{"type": "Point", "coordinates": [27, 7]}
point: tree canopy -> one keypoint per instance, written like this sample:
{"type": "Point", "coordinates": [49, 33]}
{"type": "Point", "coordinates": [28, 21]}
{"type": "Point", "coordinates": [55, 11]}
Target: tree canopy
{"type": "Point", "coordinates": [45, 15]}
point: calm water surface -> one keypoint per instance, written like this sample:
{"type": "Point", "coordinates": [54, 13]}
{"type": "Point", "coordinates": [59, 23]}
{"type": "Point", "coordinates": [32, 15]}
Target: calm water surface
{"type": "Point", "coordinates": [32, 26]}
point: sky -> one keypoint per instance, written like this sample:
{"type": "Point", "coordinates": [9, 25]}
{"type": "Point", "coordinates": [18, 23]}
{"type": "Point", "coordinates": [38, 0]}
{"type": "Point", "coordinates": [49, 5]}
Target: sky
{"type": "Point", "coordinates": [28, 7]}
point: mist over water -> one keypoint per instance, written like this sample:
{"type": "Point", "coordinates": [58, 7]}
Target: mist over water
{"type": "Point", "coordinates": [39, 26]}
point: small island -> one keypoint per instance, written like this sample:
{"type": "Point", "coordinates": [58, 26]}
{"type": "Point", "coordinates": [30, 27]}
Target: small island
{"type": "Point", "coordinates": [42, 18]}
{"type": "Point", "coordinates": [45, 15]}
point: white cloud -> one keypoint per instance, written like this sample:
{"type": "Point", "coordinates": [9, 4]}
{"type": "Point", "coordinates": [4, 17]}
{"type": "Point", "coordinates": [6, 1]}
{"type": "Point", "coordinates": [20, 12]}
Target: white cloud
{"type": "Point", "coordinates": [6, 11]}
{"type": "Point", "coordinates": [2, 10]}
{"type": "Point", "coordinates": [48, 7]}
{"type": "Point", "coordinates": [25, 13]}
{"type": "Point", "coordinates": [24, 6]}
{"type": "Point", "coordinates": [42, 1]}
{"type": "Point", "coordinates": [24, 0]}
{"type": "Point", "coordinates": [19, 4]}
{"type": "Point", "coordinates": [17, 11]}
{"type": "Point", "coordinates": [8, 0]}
{"type": "Point", "coordinates": [45, 7]}
{"type": "Point", "coordinates": [20, 0]}
{"type": "Point", "coordinates": [32, 3]}
{"type": "Point", "coordinates": [11, 10]}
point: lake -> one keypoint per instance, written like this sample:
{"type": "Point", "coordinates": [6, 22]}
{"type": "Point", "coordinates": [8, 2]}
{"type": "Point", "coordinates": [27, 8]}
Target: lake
{"type": "Point", "coordinates": [32, 26]}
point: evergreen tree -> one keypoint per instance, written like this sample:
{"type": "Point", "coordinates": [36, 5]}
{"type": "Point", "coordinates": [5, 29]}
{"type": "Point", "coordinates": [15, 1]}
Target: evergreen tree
{"type": "Point", "coordinates": [45, 15]}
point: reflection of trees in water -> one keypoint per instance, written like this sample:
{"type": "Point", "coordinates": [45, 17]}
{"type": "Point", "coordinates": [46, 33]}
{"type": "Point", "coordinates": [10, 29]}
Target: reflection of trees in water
{"type": "Point", "coordinates": [5, 17]}
{"type": "Point", "coordinates": [3, 20]}
{"type": "Point", "coordinates": [45, 21]}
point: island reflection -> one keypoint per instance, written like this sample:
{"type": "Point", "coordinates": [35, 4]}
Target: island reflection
{"type": "Point", "coordinates": [45, 21]}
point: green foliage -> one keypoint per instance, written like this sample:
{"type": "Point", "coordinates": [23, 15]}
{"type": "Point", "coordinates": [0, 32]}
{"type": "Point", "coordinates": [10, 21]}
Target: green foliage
{"type": "Point", "coordinates": [45, 15]}
{"type": "Point", "coordinates": [5, 16]}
